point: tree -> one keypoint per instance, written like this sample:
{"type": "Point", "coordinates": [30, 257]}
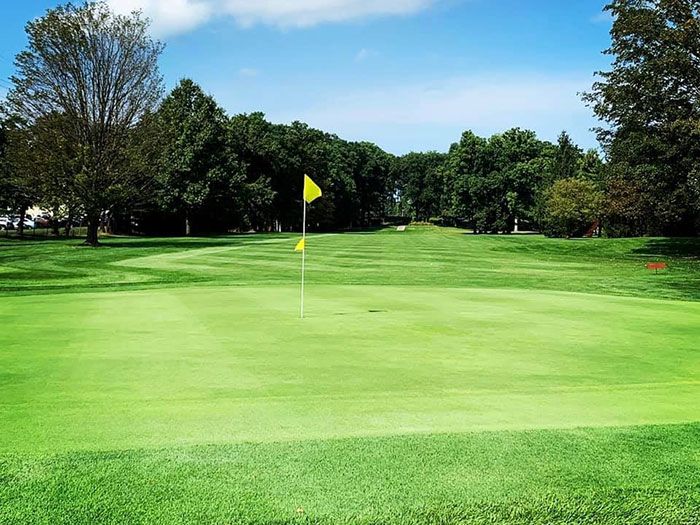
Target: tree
{"type": "Point", "coordinates": [194, 171]}
{"type": "Point", "coordinates": [301, 150]}
{"type": "Point", "coordinates": [506, 175]}
{"type": "Point", "coordinates": [371, 176]}
{"type": "Point", "coordinates": [99, 71]}
{"type": "Point", "coordinates": [6, 189]}
{"type": "Point", "coordinates": [624, 204]}
{"type": "Point", "coordinates": [592, 166]}
{"type": "Point", "coordinates": [465, 162]}
{"type": "Point", "coordinates": [355, 177]}
{"type": "Point", "coordinates": [567, 159]}
{"type": "Point", "coordinates": [253, 141]}
{"type": "Point", "coordinates": [19, 176]}
{"type": "Point", "coordinates": [572, 206]}
{"type": "Point", "coordinates": [47, 162]}
{"type": "Point", "coordinates": [22, 176]}
{"type": "Point", "coordinates": [650, 100]}
{"type": "Point", "coordinates": [421, 184]}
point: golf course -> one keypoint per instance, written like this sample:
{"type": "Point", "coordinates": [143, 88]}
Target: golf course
{"type": "Point", "coordinates": [438, 377]}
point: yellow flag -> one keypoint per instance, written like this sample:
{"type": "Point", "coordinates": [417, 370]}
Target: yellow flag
{"type": "Point", "coordinates": [311, 190]}
{"type": "Point", "coordinates": [301, 246]}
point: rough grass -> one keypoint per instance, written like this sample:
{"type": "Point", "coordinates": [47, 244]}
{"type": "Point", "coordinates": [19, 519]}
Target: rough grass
{"type": "Point", "coordinates": [632, 475]}
{"type": "Point", "coordinates": [440, 378]}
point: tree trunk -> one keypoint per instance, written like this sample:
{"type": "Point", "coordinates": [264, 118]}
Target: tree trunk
{"type": "Point", "coordinates": [188, 226]}
{"type": "Point", "coordinates": [69, 223]}
{"type": "Point", "coordinates": [93, 225]}
{"type": "Point", "coordinates": [54, 222]}
{"type": "Point", "coordinates": [22, 216]}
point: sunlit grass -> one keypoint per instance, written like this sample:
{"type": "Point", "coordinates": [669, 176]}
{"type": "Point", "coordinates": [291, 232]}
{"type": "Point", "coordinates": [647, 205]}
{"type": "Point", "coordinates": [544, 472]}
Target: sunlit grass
{"type": "Point", "coordinates": [440, 377]}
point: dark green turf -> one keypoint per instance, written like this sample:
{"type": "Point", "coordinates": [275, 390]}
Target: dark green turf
{"type": "Point", "coordinates": [629, 475]}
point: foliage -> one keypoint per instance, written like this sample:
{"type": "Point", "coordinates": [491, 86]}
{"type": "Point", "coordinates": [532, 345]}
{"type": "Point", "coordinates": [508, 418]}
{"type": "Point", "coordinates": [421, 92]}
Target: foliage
{"type": "Point", "coordinates": [494, 182]}
{"type": "Point", "coordinates": [190, 163]}
{"type": "Point", "coordinates": [354, 176]}
{"type": "Point", "coordinates": [649, 99]}
{"type": "Point", "coordinates": [6, 187]}
{"type": "Point", "coordinates": [567, 159]}
{"type": "Point", "coordinates": [420, 182]}
{"type": "Point", "coordinates": [572, 207]}
{"type": "Point", "coordinates": [194, 172]}
{"type": "Point", "coordinates": [99, 72]}
{"type": "Point", "coordinates": [625, 203]}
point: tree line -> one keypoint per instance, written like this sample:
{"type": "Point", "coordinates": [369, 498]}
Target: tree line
{"type": "Point", "coordinates": [86, 131]}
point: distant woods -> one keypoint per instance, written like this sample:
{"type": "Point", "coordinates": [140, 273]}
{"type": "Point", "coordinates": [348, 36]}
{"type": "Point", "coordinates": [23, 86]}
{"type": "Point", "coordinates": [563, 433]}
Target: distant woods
{"type": "Point", "coordinates": [87, 132]}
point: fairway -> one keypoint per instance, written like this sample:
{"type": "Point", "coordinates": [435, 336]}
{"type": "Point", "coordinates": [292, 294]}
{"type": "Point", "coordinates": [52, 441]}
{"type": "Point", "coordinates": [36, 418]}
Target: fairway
{"type": "Point", "coordinates": [440, 377]}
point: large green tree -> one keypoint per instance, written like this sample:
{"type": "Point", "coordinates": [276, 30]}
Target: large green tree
{"type": "Point", "coordinates": [567, 158]}
{"type": "Point", "coordinates": [99, 71]}
{"type": "Point", "coordinates": [649, 98]}
{"type": "Point", "coordinates": [194, 171]}
{"type": "Point", "coordinates": [253, 140]}
{"type": "Point", "coordinates": [494, 182]}
{"type": "Point", "coordinates": [421, 184]}
{"type": "Point", "coordinates": [371, 175]}
{"type": "Point", "coordinates": [573, 208]}
{"type": "Point", "coordinates": [355, 177]}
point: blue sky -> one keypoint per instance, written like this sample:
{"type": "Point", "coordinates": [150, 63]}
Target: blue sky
{"type": "Point", "coordinates": [406, 74]}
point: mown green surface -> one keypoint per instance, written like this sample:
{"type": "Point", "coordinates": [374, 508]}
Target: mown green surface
{"type": "Point", "coordinates": [419, 257]}
{"type": "Point", "coordinates": [439, 378]}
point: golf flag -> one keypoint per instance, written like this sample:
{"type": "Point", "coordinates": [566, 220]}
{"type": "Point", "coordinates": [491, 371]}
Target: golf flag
{"type": "Point", "coordinates": [311, 190]}
{"type": "Point", "coordinates": [311, 193]}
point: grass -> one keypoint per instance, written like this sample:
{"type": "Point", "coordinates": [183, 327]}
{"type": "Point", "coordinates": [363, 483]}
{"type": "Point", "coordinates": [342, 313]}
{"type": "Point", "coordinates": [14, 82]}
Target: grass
{"type": "Point", "coordinates": [440, 378]}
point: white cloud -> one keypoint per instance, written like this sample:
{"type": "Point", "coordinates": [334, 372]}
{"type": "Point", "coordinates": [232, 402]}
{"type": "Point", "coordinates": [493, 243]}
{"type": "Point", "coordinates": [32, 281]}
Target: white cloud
{"type": "Point", "coordinates": [304, 13]}
{"type": "Point", "coordinates": [486, 104]}
{"type": "Point", "coordinates": [168, 16]}
{"type": "Point", "coordinates": [178, 16]}
{"type": "Point", "coordinates": [470, 101]}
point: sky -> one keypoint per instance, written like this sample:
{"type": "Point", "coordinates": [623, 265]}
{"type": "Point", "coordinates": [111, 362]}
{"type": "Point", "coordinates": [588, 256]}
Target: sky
{"type": "Point", "coordinates": [409, 75]}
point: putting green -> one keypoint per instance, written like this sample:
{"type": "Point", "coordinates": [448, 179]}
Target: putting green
{"type": "Point", "coordinates": [193, 365]}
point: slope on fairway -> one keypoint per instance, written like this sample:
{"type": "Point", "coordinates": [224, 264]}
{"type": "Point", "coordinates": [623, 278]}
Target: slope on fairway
{"type": "Point", "coordinates": [439, 378]}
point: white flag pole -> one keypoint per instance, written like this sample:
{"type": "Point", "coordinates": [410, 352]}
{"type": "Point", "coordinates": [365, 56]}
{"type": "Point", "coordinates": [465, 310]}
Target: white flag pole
{"type": "Point", "coordinates": [303, 258]}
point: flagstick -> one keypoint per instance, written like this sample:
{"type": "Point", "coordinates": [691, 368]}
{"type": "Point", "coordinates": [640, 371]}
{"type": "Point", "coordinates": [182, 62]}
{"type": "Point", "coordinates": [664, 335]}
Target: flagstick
{"type": "Point", "coordinates": [303, 260]}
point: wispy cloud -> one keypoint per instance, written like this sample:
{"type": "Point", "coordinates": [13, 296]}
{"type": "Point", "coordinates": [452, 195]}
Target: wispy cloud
{"type": "Point", "coordinates": [178, 16]}
{"type": "Point", "coordinates": [364, 54]}
{"type": "Point", "coordinates": [486, 104]}
{"type": "Point", "coordinates": [468, 100]}
{"type": "Point", "coordinates": [248, 72]}
{"type": "Point", "coordinates": [604, 17]}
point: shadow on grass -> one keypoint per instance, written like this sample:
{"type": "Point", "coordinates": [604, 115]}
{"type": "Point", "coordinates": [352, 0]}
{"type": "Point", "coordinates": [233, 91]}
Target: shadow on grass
{"type": "Point", "coordinates": [202, 241]}
{"type": "Point", "coordinates": [37, 239]}
{"type": "Point", "coordinates": [366, 229]}
{"type": "Point", "coordinates": [685, 247]}
{"type": "Point", "coordinates": [164, 243]}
